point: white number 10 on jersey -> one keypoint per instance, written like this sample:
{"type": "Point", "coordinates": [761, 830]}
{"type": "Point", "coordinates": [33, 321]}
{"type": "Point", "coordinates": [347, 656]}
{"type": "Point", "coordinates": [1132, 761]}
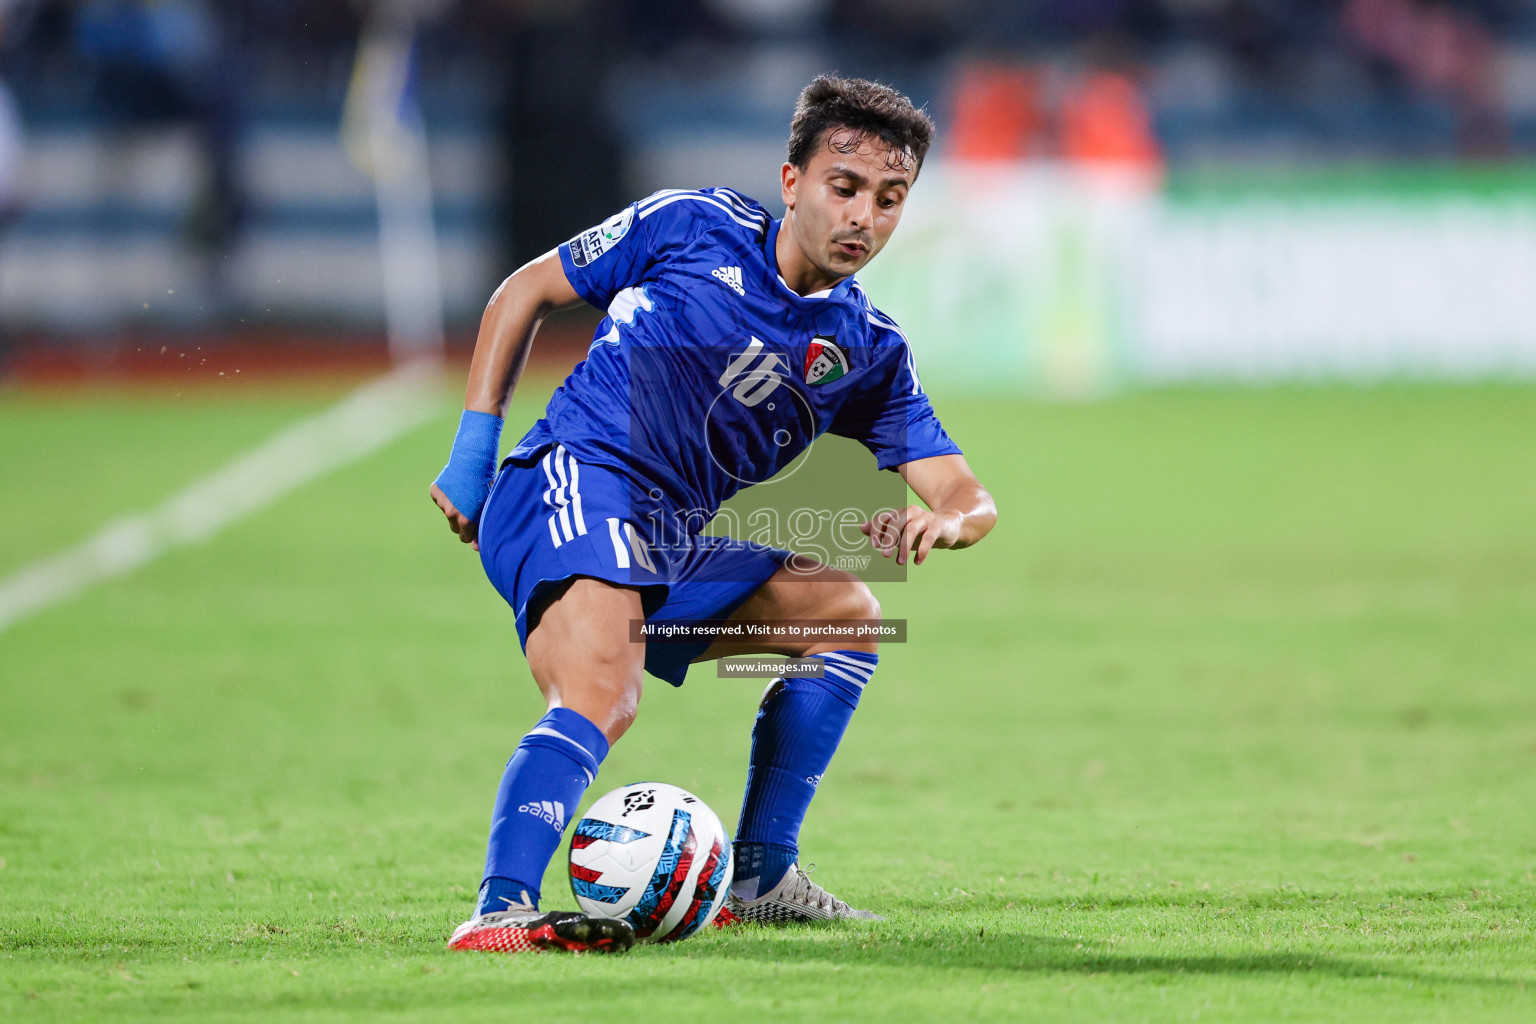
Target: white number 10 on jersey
{"type": "Point", "coordinates": [755, 384]}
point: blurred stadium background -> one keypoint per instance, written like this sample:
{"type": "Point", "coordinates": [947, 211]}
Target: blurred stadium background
{"type": "Point", "coordinates": [1124, 191]}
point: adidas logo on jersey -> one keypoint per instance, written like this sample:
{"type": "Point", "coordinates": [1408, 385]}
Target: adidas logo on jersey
{"type": "Point", "coordinates": [550, 812]}
{"type": "Point", "coordinates": [732, 278]}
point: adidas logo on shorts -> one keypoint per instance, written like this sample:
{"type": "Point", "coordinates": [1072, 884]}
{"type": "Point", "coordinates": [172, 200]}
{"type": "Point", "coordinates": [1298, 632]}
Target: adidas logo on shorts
{"type": "Point", "coordinates": [732, 278]}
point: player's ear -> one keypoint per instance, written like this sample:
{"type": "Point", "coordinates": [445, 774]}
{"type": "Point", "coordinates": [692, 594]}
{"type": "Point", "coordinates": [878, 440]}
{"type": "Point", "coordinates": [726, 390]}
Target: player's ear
{"type": "Point", "coordinates": [789, 180]}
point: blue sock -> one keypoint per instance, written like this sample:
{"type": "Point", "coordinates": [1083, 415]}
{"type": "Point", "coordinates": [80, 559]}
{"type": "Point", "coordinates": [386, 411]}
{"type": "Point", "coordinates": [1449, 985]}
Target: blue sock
{"type": "Point", "coordinates": [539, 791]}
{"type": "Point", "coordinates": [798, 728]}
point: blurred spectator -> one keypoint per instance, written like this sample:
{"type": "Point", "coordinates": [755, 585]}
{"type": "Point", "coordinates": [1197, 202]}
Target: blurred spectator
{"type": "Point", "coordinates": [548, 112]}
{"type": "Point", "coordinates": [997, 114]}
{"type": "Point", "coordinates": [1438, 50]}
{"type": "Point", "coordinates": [1096, 116]}
{"type": "Point", "coordinates": [566, 165]}
{"type": "Point", "coordinates": [157, 63]}
{"type": "Point", "coordinates": [901, 32]}
{"type": "Point", "coordinates": [11, 14]}
{"type": "Point", "coordinates": [1104, 120]}
{"type": "Point", "coordinates": [10, 155]}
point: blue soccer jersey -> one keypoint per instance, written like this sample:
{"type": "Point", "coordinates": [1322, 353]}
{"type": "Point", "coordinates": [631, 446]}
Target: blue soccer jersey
{"type": "Point", "coordinates": [709, 373]}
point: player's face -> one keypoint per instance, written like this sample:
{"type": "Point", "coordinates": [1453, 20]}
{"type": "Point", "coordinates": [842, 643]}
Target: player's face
{"type": "Point", "coordinates": [845, 204]}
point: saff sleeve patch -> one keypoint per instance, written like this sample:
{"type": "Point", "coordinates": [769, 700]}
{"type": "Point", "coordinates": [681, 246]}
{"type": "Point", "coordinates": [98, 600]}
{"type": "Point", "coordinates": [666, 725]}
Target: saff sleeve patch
{"type": "Point", "coordinates": [593, 242]}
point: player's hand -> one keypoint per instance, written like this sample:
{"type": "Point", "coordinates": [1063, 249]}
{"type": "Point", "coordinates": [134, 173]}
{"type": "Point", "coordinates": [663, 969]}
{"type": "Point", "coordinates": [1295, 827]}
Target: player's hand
{"type": "Point", "coordinates": [458, 522]}
{"type": "Point", "coordinates": [912, 532]}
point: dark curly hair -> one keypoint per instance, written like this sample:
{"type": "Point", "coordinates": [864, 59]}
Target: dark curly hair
{"type": "Point", "coordinates": [853, 110]}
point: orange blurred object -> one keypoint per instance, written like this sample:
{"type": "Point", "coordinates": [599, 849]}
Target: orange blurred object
{"type": "Point", "coordinates": [1106, 121]}
{"type": "Point", "coordinates": [996, 114]}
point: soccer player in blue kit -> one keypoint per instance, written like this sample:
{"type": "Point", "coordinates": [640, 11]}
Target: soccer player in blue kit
{"type": "Point", "coordinates": [593, 521]}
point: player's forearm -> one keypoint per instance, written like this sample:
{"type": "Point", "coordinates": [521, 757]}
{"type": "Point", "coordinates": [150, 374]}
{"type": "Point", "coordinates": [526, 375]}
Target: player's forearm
{"type": "Point", "coordinates": [501, 351]}
{"type": "Point", "coordinates": [507, 327]}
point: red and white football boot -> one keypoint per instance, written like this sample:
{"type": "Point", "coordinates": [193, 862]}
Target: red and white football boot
{"type": "Point", "coordinates": [523, 929]}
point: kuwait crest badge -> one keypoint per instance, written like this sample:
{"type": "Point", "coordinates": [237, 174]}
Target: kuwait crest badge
{"type": "Point", "coordinates": [824, 361]}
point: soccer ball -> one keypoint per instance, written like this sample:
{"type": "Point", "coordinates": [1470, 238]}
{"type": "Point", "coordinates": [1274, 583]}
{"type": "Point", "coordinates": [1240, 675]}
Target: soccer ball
{"type": "Point", "coordinates": [653, 855]}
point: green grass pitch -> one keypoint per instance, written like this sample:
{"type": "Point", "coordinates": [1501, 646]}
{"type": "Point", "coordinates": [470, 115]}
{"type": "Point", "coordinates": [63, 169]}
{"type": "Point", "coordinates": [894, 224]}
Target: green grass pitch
{"type": "Point", "coordinates": [1231, 719]}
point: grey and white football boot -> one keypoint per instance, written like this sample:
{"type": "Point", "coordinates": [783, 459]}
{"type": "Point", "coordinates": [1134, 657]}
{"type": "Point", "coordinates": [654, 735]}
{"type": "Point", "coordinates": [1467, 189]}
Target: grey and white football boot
{"type": "Point", "coordinates": [795, 900]}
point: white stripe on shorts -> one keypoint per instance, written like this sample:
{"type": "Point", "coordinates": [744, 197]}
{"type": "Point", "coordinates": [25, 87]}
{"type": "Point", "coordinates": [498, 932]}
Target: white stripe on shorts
{"type": "Point", "coordinates": [550, 492]}
{"type": "Point", "coordinates": [620, 549]}
{"type": "Point", "coordinates": [581, 522]}
{"type": "Point", "coordinates": [561, 455]}
{"type": "Point", "coordinates": [567, 522]}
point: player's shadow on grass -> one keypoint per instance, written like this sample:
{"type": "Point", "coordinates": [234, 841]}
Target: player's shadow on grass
{"type": "Point", "coordinates": [1029, 953]}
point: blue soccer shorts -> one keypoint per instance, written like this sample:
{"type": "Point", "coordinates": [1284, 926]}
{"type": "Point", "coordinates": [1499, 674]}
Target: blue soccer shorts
{"type": "Point", "coordinates": [550, 518]}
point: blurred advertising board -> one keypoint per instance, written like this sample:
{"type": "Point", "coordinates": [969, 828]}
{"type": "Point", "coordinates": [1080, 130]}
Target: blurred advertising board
{"type": "Point", "coordinates": [1069, 282]}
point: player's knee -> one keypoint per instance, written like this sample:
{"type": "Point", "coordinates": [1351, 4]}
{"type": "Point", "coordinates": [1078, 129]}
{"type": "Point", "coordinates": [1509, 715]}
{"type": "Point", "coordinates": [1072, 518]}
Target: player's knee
{"type": "Point", "coordinates": [621, 715]}
{"type": "Point", "coordinates": [610, 705]}
{"type": "Point", "coordinates": [603, 686]}
{"type": "Point", "coordinates": [852, 600]}
{"type": "Point", "coordinates": [859, 602]}
{"type": "Point", "coordinates": [620, 694]}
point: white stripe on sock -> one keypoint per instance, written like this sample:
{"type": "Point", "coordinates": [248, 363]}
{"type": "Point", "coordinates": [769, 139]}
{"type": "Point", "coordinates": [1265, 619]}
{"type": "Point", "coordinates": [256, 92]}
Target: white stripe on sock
{"type": "Point", "coordinates": [845, 677]}
{"type": "Point", "coordinates": [544, 730]}
{"type": "Point", "coordinates": [849, 666]}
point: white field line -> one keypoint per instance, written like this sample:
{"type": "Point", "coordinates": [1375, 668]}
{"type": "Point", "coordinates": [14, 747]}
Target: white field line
{"type": "Point", "coordinates": [365, 421]}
